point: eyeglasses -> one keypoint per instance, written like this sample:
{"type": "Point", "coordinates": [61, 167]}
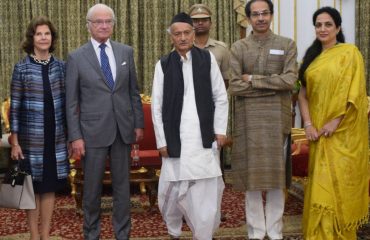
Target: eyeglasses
{"type": "Point", "coordinates": [100, 22]}
{"type": "Point", "coordinates": [263, 14]}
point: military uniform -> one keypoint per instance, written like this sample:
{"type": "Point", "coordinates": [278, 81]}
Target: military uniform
{"type": "Point", "coordinates": [218, 48]}
{"type": "Point", "coordinates": [221, 52]}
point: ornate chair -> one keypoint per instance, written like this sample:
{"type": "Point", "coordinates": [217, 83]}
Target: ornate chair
{"type": "Point", "coordinates": [145, 175]}
{"type": "Point", "coordinates": [5, 113]}
{"type": "Point", "coordinates": [300, 153]}
{"type": "Point", "coordinates": [5, 147]}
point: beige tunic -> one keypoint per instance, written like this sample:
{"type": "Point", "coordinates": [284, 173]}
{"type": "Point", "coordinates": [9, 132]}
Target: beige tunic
{"type": "Point", "coordinates": [262, 109]}
{"type": "Point", "coordinates": [222, 54]}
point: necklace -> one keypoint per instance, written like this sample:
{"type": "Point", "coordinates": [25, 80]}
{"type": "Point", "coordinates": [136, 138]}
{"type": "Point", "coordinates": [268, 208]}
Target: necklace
{"type": "Point", "coordinates": [41, 61]}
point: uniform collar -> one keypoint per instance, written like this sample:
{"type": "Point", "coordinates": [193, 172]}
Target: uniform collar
{"type": "Point", "coordinates": [210, 42]}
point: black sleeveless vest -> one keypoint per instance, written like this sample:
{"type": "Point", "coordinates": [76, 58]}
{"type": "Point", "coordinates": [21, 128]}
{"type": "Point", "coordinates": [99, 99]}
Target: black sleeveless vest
{"type": "Point", "coordinates": [173, 92]}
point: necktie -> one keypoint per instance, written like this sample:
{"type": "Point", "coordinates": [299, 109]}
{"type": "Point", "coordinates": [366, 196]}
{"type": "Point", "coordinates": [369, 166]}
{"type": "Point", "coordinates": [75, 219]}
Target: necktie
{"type": "Point", "coordinates": [105, 67]}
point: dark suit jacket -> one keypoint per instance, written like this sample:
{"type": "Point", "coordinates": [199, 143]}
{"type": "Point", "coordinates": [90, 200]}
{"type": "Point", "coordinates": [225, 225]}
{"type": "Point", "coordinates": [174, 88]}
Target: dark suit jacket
{"type": "Point", "coordinates": [94, 112]}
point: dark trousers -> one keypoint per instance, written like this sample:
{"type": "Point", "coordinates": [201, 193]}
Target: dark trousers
{"type": "Point", "coordinates": [94, 165]}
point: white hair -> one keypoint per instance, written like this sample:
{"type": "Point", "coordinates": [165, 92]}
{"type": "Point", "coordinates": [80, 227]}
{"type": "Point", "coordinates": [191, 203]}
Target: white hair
{"type": "Point", "coordinates": [99, 6]}
{"type": "Point", "coordinates": [169, 29]}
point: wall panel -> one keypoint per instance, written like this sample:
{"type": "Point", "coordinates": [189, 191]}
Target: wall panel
{"type": "Point", "coordinates": [293, 19]}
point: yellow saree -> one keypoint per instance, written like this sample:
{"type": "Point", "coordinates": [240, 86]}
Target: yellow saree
{"type": "Point", "coordinates": [336, 195]}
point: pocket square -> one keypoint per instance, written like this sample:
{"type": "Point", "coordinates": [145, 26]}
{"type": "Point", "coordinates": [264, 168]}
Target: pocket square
{"type": "Point", "coordinates": [123, 63]}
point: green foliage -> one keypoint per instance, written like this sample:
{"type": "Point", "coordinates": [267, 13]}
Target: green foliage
{"type": "Point", "coordinates": [297, 86]}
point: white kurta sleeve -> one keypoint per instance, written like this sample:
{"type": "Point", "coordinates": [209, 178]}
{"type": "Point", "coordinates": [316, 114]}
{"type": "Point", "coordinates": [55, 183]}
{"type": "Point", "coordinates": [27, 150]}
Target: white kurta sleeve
{"type": "Point", "coordinates": [219, 98]}
{"type": "Point", "coordinates": [157, 100]}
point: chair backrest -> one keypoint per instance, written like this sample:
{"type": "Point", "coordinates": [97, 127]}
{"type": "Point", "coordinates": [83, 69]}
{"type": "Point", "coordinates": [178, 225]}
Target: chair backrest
{"type": "Point", "coordinates": [149, 142]}
{"type": "Point", "coordinates": [149, 155]}
{"type": "Point", "coordinates": [5, 114]}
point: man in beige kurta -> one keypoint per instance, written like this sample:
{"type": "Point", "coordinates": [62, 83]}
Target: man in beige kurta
{"type": "Point", "coordinates": [263, 73]}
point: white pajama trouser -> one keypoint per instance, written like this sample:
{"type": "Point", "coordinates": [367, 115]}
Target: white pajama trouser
{"type": "Point", "coordinates": [268, 220]}
{"type": "Point", "coordinates": [199, 201]}
{"type": "Point", "coordinates": [262, 220]}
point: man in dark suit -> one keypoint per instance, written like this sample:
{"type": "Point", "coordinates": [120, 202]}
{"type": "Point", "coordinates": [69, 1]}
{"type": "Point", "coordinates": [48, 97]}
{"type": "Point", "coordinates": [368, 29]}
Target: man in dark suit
{"type": "Point", "coordinates": [104, 116]}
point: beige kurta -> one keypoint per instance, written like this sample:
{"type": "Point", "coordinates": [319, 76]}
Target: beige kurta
{"type": "Point", "coordinates": [262, 109]}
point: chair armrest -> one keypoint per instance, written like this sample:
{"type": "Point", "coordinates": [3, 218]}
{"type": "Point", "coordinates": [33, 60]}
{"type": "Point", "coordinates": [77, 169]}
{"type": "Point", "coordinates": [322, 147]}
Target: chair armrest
{"type": "Point", "coordinates": [5, 141]}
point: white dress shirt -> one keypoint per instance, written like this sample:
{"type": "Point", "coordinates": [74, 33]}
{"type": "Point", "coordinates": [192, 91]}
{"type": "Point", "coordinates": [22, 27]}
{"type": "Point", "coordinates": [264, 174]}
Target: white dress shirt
{"type": "Point", "coordinates": [110, 54]}
{"type": "Point", "coordinates": [195, 162]}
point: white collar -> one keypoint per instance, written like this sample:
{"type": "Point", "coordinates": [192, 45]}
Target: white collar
{"type": "Point", "coordinates": [188, 57]}
{"type": "Point", "coordinates": [96, 44]}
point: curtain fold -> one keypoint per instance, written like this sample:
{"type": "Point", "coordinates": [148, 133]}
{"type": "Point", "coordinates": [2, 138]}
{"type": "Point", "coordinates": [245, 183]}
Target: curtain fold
{"type": "Point", "coordinates": [141, 24]}
{"type": "Point", "coordinates": [363, 35]}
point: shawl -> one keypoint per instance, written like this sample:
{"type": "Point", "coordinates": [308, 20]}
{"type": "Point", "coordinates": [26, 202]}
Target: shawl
{"type": "Point", "coordinates": [338, 180]}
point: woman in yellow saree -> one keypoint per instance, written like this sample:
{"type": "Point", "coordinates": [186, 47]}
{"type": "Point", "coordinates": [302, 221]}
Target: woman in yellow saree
{"type": "Point", "coordinates": [333, 106]}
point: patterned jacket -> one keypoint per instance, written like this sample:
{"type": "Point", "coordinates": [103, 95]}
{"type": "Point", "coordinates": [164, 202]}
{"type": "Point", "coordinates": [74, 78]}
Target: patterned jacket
{"type": "Point", "coordinates": [27, 114]}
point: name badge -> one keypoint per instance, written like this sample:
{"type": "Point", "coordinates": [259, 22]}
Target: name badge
{"type": "Point", "coordinates": [276, 52]}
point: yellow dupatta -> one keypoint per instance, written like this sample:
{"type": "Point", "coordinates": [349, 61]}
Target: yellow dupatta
{"type": "Point", "coordinates": [337, 187]}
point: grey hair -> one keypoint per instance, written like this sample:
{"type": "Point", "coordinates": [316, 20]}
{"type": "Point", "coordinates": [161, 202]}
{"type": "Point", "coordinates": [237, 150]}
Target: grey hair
{"type": "Point", "coordinates": [91, 11]}
{"type": "Point", "coordinates": [168, 30]}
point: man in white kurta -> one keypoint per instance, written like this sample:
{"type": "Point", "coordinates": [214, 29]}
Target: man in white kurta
{"type": "Point", "coordinates": [191, 185]}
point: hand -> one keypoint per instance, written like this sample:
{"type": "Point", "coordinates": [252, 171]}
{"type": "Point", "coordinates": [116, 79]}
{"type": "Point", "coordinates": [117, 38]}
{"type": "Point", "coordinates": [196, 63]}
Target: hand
{"type": "Point", "coordinates": [329, 128]}
{"type": "Point", "coordinates": [220, 139]}
{"type": "Point", "coordinates": [163, 152]}
{"type": "Point", "coordinates": [245, 77]}
{"type": "Point", "coordinates": [139, 134]}
{"type": "Point", "coordinates": [311, 133]}
{"type": "Point", "coordinates": [70, 150]}
{"type": "Point", "coordinates": [16, 152]}
{"type": "Point", "coordinates": [78, 148]}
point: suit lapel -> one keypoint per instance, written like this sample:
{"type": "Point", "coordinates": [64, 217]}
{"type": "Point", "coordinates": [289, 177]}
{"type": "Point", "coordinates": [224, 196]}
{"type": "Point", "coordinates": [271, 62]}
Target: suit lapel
{"type": "Point", "coordinates": [93, 60]}
{"type": "Point", "coordinates": [119, 57]}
